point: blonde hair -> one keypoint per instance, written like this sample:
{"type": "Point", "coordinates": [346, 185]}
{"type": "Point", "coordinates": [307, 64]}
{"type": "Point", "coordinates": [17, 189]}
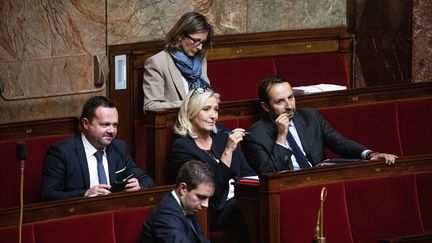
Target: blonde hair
{"type": "Point", "coordinates": [191, 106]}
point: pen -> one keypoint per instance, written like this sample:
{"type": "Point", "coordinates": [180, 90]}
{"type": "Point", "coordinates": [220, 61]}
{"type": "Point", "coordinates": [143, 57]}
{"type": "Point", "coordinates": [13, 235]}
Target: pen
{"type": "Point", "coordinates": [231, 132]}
{"type": "Point", "coordinates": [128, 177]}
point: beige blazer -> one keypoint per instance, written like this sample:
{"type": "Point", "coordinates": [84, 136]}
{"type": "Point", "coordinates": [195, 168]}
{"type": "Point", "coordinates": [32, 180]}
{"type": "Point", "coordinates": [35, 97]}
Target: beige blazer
{"type": "Point", "coordinates": [163, 83]}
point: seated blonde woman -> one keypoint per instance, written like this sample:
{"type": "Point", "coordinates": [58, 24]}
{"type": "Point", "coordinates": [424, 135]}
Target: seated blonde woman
{"type": "Point", "coordinates": [199, 137]}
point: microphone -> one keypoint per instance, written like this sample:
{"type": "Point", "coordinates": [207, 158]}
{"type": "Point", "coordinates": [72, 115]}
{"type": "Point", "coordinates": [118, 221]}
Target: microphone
{"type": "Point", "coordinates": [319, 230]}
{"type": "Point", "coordinates": [21, 154]}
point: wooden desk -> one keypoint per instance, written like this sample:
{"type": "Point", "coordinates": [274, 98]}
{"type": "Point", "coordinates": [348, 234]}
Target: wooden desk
{"type": "Point", "coordinates": [79, 206]}
{"type": "Point", "coordinates": [260, 203]}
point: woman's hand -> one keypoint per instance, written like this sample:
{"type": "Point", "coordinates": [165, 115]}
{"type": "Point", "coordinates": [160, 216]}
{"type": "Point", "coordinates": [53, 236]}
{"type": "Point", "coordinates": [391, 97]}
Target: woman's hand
{"type": "Point", "coordinates": [234, 137]}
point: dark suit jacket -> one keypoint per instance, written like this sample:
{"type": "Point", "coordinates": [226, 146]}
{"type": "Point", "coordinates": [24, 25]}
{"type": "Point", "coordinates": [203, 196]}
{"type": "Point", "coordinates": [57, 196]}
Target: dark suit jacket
{"type": "Point", "coordinates": [167, 223]}
{"type": "Point", "coordinates": [315, 134]}
{"type": "Point", "coordinates": [184, 149]}
{"type": "Point", "coordinates": [65, 171]}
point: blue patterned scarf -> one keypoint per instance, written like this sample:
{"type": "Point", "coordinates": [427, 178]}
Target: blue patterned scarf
{"type": "Point", "coordinates": [190, 68]}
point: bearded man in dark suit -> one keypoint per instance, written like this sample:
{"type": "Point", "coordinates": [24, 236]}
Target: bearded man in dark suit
{"type": "Point", "coordinates": [268, 148]}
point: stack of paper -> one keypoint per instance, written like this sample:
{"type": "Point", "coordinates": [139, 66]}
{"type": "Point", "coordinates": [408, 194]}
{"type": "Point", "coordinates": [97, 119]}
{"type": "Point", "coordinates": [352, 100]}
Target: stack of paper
{"type": "Point", "coordinates": [310, 89]}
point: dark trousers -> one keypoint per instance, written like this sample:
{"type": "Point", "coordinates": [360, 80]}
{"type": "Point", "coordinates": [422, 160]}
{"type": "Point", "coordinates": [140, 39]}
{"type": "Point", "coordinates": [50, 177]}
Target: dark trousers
{"type": "Point", "coordinates": [230, 219]}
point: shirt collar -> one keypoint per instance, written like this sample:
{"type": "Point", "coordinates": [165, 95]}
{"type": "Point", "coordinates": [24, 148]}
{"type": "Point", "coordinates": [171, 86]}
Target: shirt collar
{"type": "Point", "coordinates": [88, 147]}
{"type": "Point", "coordinates": [178, 200]}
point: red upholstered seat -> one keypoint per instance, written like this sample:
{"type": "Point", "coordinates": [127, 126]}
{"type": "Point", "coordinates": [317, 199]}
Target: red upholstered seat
{"type": "Point", "coordinates": [424, 193]}
{"type": "Point", "coordinates": [313, 68]}
{"type": "Point", "coordinates": [10, 234]}
{"type": "Point", "coordinates": [373, 125]}
{"type": "Point", "coordinates": [238, 79]}
{"type": "Point", "coordinates": [415, 124]}
{"type": "Point", "coordinates": [383, 208]}
{"type": "Point", "coordinates": [221, 237]}
{"type": "Point", "coordinates": [10, 168]}
{"type": "Point", "coordinates": [128, 224]}
{"type": "Point", "coordinates": [299, 209]}
{"type": "Point", "coordinates": [81, 229]}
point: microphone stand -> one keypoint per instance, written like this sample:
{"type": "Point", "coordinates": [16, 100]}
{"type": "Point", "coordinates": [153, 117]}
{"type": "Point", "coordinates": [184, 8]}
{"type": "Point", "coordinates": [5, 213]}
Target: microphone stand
{"type": "Point", "coordinates": [21, 156]}
{"type": "Point", "coordinates": [319, 230]}
{"type": "Point", "coordinates": [21, 200]}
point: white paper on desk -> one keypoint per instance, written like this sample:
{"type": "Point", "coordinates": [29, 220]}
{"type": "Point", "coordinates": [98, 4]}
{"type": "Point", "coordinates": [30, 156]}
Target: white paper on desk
{"type": "Point", "coordinates": [251, 178]}
{"type": "Point", "coordinates": [310, 89]}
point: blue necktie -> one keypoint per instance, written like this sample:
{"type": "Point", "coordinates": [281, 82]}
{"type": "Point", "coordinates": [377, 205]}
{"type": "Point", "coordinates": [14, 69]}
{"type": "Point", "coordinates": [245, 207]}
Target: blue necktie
{"type": "Point", "coordinates": [100, 167]}
{"type": "Point", "coordinates": [298, 154]}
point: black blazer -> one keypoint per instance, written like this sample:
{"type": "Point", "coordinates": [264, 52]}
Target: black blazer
{"type": "Point", "coordinates": [184, 149]}
{"type": "Point", "coordinates": [65, 171]}
{"type": "Point", "coordinates": [315, 134]}
{"type": "Point", "coordinates": [167, 223]}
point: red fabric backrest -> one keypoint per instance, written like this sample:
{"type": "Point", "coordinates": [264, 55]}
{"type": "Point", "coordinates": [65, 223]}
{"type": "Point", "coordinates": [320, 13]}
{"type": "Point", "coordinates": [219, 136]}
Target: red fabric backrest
{"type": "Point", "coordinates": [247, 122]}
{"type": "Point", "coordinates": [10, 169]}
{"type": "Point", "coordinates": [10, 234]}
{"type": "Point", "coordinates": [238, 79]}
{"type": "Point", "coordinates": [230, 124]}
{"type": "Point", "coordinates": [299, 210]}
{"type": "Point", "coordinates": [415, 124]}
{"type": "Point", "coordinates": [314, 68]}
{"type": "Point", "coordinates": [373, 125]}
{"type": "Point", "coordinates": [81, 229]}
{"type": "Point", "coordinates": [424, 193]}
{"type": "Point", "coordinates": [128, 224]}
{"type": "Point", "coordinates": [383, 208]}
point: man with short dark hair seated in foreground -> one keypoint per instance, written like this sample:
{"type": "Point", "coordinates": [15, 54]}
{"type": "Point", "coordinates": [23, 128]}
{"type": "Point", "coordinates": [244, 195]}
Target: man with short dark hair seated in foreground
{"type": "Point", "coordinates": [291, 139]}
{"type": "Point", "coordinates": [175, 219]}
{"type": "Point", "coordinates": [89, 164]}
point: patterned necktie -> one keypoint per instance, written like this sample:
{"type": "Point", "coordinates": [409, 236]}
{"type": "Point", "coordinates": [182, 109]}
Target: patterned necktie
{"type": "Point", "coordinates": [298, 154]}
{"type": "Point", "coordinates": [100, 167]}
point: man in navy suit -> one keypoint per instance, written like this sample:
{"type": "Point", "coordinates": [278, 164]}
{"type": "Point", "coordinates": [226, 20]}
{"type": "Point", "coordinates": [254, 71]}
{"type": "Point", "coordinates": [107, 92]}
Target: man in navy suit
{"type": "Point", "coordinates": [89, 163]}
{"type": "Point", "coordinates": [268, 149]}
{"type": "Point", "coordinates": [175, 219]}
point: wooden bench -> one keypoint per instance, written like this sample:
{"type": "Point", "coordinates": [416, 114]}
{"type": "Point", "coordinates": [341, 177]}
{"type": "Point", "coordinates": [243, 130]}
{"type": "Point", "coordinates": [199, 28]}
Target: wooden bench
{"type": "Point", "coordinates": [377, 126]}
{"type": "Point", "coordinates": [117, 217]}
{"type": "Point", "coordinates": [114, 218]}
{"type": "Point", "coordinates": [38, 136]}
{"type": "Point", "coordinates": [366, 202]}
{"type": "Point", "coordinates": [237, 63]}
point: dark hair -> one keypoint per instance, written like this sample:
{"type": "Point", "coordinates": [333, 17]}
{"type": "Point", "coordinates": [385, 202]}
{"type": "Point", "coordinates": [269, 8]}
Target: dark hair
{"type": "Point", "coordinates": [88, 110]}
{"type": "Point", "coordinates": [189, 23]}
{"type": "Point", "coordinates": [266, 84]}
{"type": "Point", "coordinates": [194, 173]}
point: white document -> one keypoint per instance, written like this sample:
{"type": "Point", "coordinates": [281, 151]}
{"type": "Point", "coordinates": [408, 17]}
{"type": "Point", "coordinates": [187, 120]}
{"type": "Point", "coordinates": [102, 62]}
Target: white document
{"type": "Point", "coordinates": [310, 89]}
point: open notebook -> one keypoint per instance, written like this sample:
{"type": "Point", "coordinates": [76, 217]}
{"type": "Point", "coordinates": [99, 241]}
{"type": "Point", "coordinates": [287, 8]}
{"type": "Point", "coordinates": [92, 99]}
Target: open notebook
{"type": "Point", "coordinates": [317, 88]}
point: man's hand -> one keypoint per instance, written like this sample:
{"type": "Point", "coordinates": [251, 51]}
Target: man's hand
{"type": "Point", "coordinates": [101, 189]}
{"type": "Point", "coordinates": [133, 185]}
{"type": "Point", "coordinates": [282, 124]}
{"type": "Point", "coordinates": [389, 158]}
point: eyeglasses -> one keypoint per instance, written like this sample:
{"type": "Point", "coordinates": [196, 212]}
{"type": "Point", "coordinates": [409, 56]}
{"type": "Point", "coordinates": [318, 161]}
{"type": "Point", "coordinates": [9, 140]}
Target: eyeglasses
{"type": "Point", "coordinates": [200, 90]}
{"type": "Point", "coordinates": [195, 42]}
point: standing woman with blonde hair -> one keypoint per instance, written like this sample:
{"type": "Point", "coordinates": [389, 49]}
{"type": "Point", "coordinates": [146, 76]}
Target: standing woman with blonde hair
{"type": "Point", "coordinates": [200, 137]}
{"type": "Point", "coordinates": [170, 74]}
